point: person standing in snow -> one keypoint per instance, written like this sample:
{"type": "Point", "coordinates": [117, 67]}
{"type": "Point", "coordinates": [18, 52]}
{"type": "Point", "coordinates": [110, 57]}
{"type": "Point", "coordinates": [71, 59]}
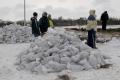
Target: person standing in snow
{"type": "Point", "coordinates": [92, 28]}
{"type": "Point", "coordinates": [50, 21]}
{"type": "Point", "coordinates": [104, 19]}
{"type": "Point", "coordinates": [34, 25]}
{"type": "Point", "coordinates": [44, 23]}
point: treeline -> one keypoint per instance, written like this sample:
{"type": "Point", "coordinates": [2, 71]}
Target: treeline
{"type": "Point", "coordinates": [111, 21]}
{"type": "Point", "coordinates": [64, 22]}
{"type": "Point", "coordinates": [82, 21]}
{"type": "Point", "coordinates": [114, 21]}
{"type": "Point", "coordinates": [61, 22]}
{"type": "Point", "coordinates": [69, 22]}
{"type": "Point", "coordinates": [4, 23]}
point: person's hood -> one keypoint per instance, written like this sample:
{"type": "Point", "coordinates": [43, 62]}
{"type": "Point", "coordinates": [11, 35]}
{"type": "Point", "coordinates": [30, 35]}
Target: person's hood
{"type": "Point", "coordinates": [92, 12]}
{"type": "Point", "coordinates": [44, 14]}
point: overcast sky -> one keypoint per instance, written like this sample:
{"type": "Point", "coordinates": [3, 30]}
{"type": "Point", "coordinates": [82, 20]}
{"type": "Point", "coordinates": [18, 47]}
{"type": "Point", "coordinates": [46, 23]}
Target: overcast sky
{"type": "Point", "coordinates": [13, 9]}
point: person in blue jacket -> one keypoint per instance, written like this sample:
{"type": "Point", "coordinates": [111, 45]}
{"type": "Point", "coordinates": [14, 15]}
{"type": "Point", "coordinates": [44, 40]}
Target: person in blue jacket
{"type": "Point", "coordinates": [92, 28]}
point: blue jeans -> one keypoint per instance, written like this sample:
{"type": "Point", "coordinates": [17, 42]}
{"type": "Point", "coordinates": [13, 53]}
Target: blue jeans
{"type": "Point", "coordinates": [91, 38]}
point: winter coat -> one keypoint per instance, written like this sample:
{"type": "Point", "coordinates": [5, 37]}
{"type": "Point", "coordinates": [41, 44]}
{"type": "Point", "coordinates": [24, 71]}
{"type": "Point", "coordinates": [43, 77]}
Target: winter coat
{"type": "Point", "coordinates": [91, 23]}
{"type": "Point", "coordinates": [34, 25]}
{"type": "Point", "coordinates": [44, 24]}
{"type": "Point", "coordinates": [104, 17]}
{"type": "Point", "coordinates": [51, 23]}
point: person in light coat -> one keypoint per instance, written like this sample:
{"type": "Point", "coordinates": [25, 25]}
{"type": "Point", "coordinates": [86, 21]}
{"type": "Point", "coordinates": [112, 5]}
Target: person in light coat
{"type": "Point", "coordinates": [92, 28]}
{"type": "Point", "coordinates": [50, 21]}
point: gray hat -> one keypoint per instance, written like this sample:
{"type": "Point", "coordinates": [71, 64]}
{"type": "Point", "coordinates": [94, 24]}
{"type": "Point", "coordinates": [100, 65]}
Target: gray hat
{"type": "Point", "coordinates": [44, 14]}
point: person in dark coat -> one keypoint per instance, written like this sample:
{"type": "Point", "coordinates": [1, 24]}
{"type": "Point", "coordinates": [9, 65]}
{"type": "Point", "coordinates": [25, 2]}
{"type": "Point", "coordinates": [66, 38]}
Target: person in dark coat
{"type": "Point", "coordinates": [44, 23]}
{"type": "Point", "coordinates": [104, 19]}
{"type": "Point", "coordinates": [34, 25]}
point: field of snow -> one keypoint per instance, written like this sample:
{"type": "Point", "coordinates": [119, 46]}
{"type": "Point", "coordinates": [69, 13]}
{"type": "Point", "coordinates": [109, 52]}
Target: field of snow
{"type": "Point", "coordinates": [8, 71]}
{"type": "Point", "coordinates": [108, 27]}
{"type": "Point", "coordinates": [9, 56]}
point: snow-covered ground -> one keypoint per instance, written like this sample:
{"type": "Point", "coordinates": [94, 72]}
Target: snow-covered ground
{"type": "Point", "coordinates": [108, 27]}
{"type": "Point", "coordinates": [9, 52]}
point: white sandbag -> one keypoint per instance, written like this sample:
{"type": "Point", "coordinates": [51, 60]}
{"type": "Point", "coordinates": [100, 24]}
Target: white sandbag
{"type": "Point", "coordinates": [93, 61]}
{"type": "Point", "coordinates": [84, 47]}
{"type": "Point", "coordinates": [65, 60]}
{"type": "Point", "coordinates": [57, 67]}
{"type": "Point", "coordinates": [65, 54]}
{"type": "Point", "coordinates": [85, 64]}
{"type": "Point", "coordinates": [73, 50]}
{"type": "Point", "coordinates": [1, 38]}
{"type": "Point", "coordinates": [75, 58]}
{"type": "Point", "coordinates": [83, 55]}
{"type": "Point", "coordinates": [31, 66]}
{"type": "Point", "coordinates": [56, 58]}
{"type": "Point", "coordinates": [47, 59]}
{"type": "Point", "coordinates": [75, 68]}
{"type": "Point", "coordinates": [105, 56]}
{"type": "Point", "coordinates": [40, 69]}
{"type": "Point", "coordinates": [31, 57]}
{"type": "Point", "coordinates": [51, 51]}
{"type": "Point", "coordinates": [100, 59]}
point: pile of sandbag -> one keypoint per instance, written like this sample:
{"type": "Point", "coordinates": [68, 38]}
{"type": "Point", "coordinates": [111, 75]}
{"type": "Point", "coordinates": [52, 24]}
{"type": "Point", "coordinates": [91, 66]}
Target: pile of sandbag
{"type": "Point", "coordinates": [59, 50]}
{"type": "Point", "coordinates": [16, 34]}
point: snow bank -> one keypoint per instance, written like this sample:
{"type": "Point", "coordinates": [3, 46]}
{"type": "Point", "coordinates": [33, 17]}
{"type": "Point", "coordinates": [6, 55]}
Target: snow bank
{"type": "Point", "coordinates": [15, 34]}
{"type": "Point", "coordinates": [59, 50]}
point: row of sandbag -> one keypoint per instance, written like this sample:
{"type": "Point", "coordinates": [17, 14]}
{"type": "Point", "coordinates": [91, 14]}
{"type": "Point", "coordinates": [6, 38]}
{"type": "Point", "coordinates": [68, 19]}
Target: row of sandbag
{"type": "Point", "coordinates": [16, 34]}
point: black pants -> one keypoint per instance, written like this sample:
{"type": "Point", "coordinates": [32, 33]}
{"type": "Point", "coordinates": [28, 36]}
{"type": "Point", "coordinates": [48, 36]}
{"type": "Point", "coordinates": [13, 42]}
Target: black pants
{"type": "Point", "coordinates": [43, 29]}
{"type": "Point", "coordinates": [36, 35]}
{"type": "Point", "coordinates": [91, 38]}
{"type": "Point", "coordinates": [36, 32]}
{"type": "Point", "coordinates": [104, 24]}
